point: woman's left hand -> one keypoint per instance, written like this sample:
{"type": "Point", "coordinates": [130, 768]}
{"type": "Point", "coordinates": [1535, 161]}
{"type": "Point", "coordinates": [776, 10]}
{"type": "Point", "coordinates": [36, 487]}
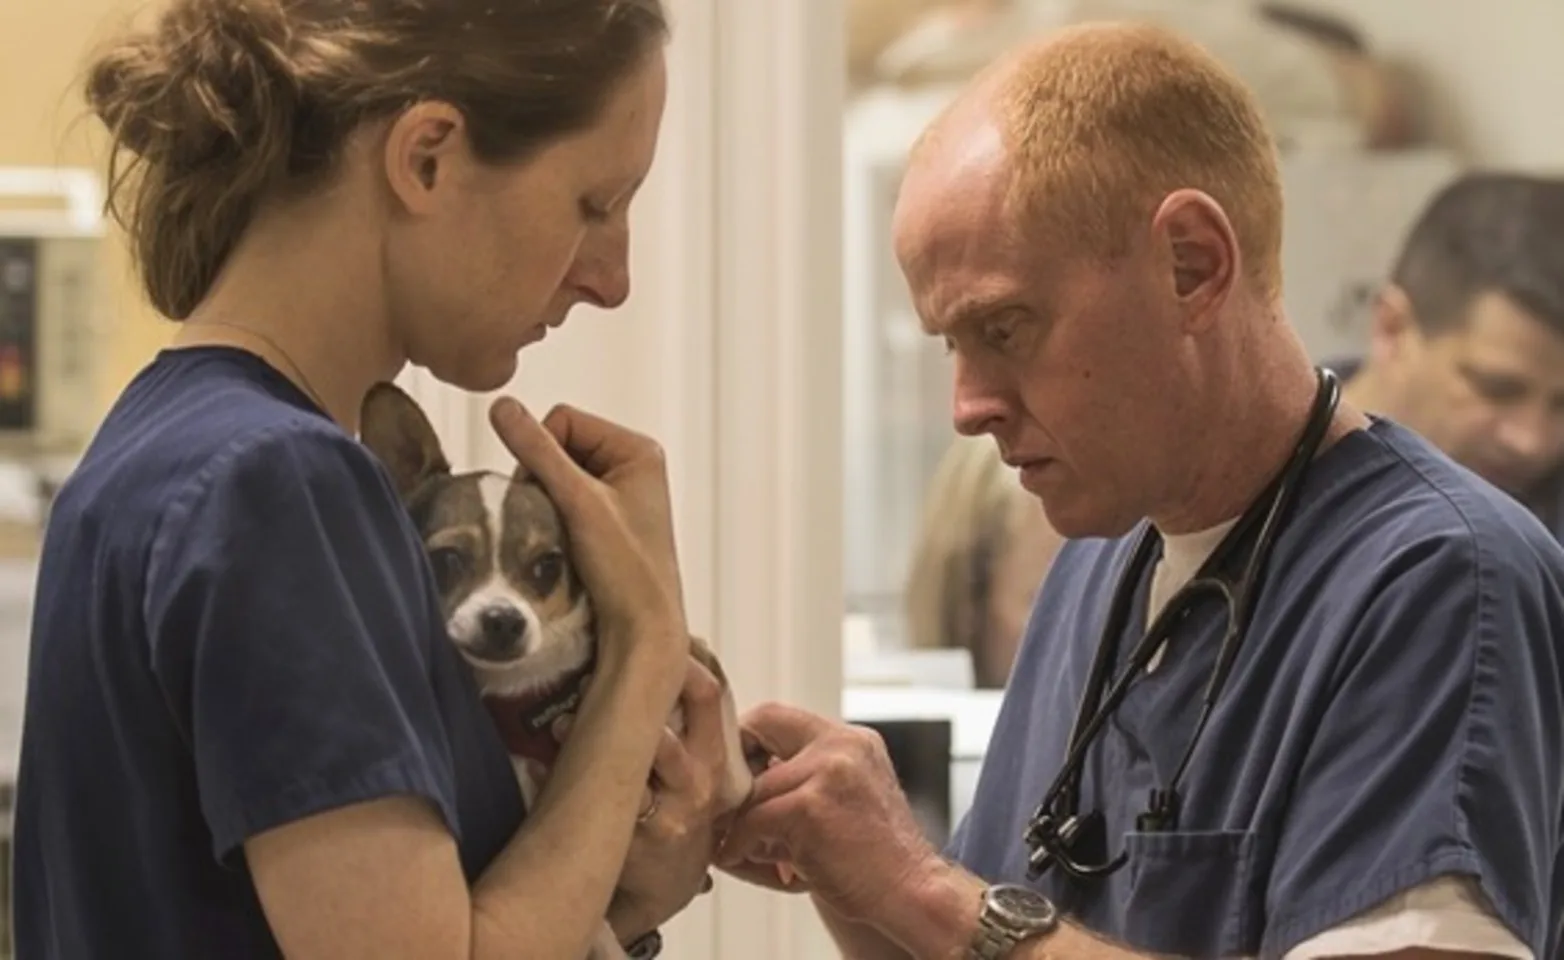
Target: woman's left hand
{"type": "Point", "coordinates": [675, 840]}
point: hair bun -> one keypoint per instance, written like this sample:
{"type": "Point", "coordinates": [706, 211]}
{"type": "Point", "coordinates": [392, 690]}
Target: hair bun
{"type": "Point", "coordinates": [211, 82]}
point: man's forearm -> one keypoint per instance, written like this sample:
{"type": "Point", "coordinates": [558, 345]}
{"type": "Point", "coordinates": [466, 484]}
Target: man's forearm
{"type": "Point", "coordinates": [939, 921]}
{"type": "Point", "coordinates": [858, 941]}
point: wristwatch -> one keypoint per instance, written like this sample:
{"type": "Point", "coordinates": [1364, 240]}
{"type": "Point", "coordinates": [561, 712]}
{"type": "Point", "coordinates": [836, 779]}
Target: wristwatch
{"type": "Point", "coordinates": [1011, 914]}
{"type": "Point", "coordinates": [646, 947]}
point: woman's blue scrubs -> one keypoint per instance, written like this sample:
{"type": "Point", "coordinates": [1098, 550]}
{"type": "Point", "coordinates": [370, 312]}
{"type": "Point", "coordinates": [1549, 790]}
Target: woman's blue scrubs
{"type": "Point", "coordinates": [235, 628]}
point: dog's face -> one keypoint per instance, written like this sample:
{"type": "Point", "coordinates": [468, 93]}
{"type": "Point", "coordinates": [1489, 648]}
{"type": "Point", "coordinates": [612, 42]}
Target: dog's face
{"type": "Point", "coordinates": [500, 553]}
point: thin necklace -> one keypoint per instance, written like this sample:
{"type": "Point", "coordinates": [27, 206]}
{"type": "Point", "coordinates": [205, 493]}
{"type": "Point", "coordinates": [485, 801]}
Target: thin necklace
{"type": "Point", "coordinates": [298, 372]}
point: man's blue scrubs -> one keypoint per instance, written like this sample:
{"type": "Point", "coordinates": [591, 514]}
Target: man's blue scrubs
{"type": "Point", "coordinates": [235, 628]}
{"type": "Point", "coordinates": [1550, 505]}
{"type": "Point", "coordinates": [1396, 714]}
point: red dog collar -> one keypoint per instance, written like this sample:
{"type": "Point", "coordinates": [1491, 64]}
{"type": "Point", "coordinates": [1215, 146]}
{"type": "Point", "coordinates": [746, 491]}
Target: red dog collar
{"type": "Point", "coordinates": [526, 722]}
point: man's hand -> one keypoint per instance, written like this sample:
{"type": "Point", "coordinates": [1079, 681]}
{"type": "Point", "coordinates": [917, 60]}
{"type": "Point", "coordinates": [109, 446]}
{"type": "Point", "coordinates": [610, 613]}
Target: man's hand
{"type": "Point", "coordinates": [672, 850]}
{"type": "Point", "coordinates": [828, 816]}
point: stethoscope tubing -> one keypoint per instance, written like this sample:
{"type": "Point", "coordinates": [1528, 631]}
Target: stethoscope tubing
{"type": "Point", "coordinates": [1103, 696]}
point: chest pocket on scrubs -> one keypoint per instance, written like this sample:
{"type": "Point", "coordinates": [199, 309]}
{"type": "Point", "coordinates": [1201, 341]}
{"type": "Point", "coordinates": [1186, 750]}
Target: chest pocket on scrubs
{"type": "Point", "coordinates": [1193, 894]}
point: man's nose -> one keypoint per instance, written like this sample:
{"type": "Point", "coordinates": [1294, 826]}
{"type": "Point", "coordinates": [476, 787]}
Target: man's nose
{"type": "Point", "coordinates": [1528, 435]}
{"type": "Point", "coordinates": [978, 407]}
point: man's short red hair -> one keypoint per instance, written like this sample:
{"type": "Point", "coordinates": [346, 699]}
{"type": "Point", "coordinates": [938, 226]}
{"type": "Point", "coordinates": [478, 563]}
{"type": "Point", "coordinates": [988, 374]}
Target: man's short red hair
{"type": "Point", "coordinates": [1103, 121]}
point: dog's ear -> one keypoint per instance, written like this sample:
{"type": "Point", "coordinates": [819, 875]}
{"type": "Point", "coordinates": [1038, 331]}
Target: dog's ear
{"type": "Point", "coordinates": [395, 429]}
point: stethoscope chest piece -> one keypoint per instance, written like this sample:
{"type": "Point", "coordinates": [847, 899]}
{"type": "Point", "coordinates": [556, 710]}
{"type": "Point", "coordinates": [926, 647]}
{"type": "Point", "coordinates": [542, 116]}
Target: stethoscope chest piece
{"type": "Point", "coordinates": [1077, 838]}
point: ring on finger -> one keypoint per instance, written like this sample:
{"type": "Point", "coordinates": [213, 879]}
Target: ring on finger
{"type": "Point", "coordinates": [651, 808]}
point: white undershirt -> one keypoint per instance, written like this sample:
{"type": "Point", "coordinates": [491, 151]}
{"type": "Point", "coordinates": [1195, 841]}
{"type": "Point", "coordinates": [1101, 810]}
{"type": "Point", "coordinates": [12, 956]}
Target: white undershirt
{"type": "Point", "coordinates": [1182, 556]}
{"type": "Point", "coordinates": [1448, 913]}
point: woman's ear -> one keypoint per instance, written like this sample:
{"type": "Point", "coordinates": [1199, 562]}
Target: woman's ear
{"type": "Point", "coordinates": [423, 146]}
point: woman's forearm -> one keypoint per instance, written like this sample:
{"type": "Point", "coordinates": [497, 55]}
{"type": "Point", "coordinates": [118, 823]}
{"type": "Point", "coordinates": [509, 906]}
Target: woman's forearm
{"type": "Point", "coordinates": [547, 893]}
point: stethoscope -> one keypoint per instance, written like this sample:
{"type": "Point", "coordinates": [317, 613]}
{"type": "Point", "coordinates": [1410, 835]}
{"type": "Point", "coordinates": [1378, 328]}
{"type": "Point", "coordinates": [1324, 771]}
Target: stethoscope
{"type": "Point", "coordinates": [1058, 832]}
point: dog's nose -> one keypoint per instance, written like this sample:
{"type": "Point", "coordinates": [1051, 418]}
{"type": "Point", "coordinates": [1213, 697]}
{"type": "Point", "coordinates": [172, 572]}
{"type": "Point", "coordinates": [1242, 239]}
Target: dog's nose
{"type": "Point", "coordinates": [503, 627]}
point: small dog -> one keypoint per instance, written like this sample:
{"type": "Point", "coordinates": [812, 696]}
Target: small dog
{"type": "Point", "coordinates": [513, 604]}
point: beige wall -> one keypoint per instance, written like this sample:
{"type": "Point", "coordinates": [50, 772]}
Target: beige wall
{"type": "Point", "coordinates": [43, 47]}
{"type": "Point", "coordinates": [1491, 72]}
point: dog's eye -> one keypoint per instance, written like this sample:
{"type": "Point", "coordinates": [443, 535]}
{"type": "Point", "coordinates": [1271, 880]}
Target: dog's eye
{"type": "Point", "coordinates": [546, 571]}
{"type": "Point", "coordinates": [449, 564]}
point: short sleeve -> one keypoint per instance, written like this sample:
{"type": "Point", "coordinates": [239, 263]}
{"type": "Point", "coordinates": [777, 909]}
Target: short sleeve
{"type": "Point", "coordinates": [956, 846]}
{"type": "Point", "coordinates": [291, 628]}
{"type": "Point", "coordinates": [1439, 753]}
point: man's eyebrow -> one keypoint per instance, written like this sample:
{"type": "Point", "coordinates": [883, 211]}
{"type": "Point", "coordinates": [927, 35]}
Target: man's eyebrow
{"type": "Point", "coordinates": [969, 311]}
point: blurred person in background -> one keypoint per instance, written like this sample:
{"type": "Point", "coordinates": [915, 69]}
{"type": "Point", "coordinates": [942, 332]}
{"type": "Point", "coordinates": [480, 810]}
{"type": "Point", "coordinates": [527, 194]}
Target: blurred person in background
{"type": "Point", "coordinates": [1316, 75]}
{"type": "Point", "coordinates": [983, 549]}
{"type": "Point", "coordinates": [1467, 340]}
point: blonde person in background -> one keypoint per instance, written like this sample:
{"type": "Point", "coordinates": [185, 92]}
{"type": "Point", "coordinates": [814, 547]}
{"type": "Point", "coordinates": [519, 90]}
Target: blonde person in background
{"type": "Point", "coordinates": [982, 551]}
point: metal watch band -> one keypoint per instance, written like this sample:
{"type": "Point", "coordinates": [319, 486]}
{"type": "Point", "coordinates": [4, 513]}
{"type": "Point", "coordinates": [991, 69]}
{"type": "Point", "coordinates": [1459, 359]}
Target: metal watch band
{"type": "Point", "coordinates": [1010, 915]}
{"type": "Point", "coordinates": [646, 947]}
{"type": "Point", "coordinates": [992, 943]}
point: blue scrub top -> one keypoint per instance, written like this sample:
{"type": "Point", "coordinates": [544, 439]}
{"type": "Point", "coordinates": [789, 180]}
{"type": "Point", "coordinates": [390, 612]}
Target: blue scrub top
{"type": "Point", "coordinates": [235, 627]}
{"type": "Point", "coordinates": [1551, 507]}
{"type": "Point", "coordinates": [1395, 715]}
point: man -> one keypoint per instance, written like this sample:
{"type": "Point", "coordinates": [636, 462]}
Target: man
{"type": "Point", "coordinates": [1468, 337]}
{"type": "Point", "coordinates": [1094, 228]}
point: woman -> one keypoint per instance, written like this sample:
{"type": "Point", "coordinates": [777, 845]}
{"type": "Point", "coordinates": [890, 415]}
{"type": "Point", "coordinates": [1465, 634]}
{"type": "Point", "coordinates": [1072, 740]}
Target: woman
{"type": "Point", "coordinates": [983, 550]}
{"type": "Point", "coordinates": [246, 732]}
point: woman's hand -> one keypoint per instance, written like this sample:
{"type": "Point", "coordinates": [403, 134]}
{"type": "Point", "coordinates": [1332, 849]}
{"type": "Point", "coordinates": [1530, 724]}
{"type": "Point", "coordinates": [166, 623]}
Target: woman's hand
{"type": "Point", "coordinates": [675, 843]}
{"type": "Point", "coordinates": [611, 487]}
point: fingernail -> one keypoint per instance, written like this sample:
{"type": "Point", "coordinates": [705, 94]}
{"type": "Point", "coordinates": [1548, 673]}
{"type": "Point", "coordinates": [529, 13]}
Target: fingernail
{"type": "Point", "coordinates": [507, 407]}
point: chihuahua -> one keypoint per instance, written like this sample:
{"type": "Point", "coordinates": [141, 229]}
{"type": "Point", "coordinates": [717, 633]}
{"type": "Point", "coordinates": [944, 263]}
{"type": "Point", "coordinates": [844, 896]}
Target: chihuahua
{"type": "Point", "coordinates": [513, 604]}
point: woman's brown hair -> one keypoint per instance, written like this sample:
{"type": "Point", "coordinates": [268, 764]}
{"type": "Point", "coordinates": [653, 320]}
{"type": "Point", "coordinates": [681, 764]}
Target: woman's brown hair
{"type": "Point", "coordinates": [223, 102]}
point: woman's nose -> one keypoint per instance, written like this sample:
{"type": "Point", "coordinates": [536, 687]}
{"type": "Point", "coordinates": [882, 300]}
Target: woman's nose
{"type": "Point", "coordinates": [602, 274]}
{"type": "Point", "coordinates": [607, 288]}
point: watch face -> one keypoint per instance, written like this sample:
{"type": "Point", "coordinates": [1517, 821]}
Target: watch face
{"type": "Point", "coordinates": [1021, 906]}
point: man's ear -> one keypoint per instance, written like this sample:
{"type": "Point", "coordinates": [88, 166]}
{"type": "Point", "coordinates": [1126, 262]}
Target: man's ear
{"type": "Point", "coordinates": [1201, 250]}
{"type": "Point", "coordinates": [1394, 334]}
{"type": "Point", "coordinates": [395, 429]}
